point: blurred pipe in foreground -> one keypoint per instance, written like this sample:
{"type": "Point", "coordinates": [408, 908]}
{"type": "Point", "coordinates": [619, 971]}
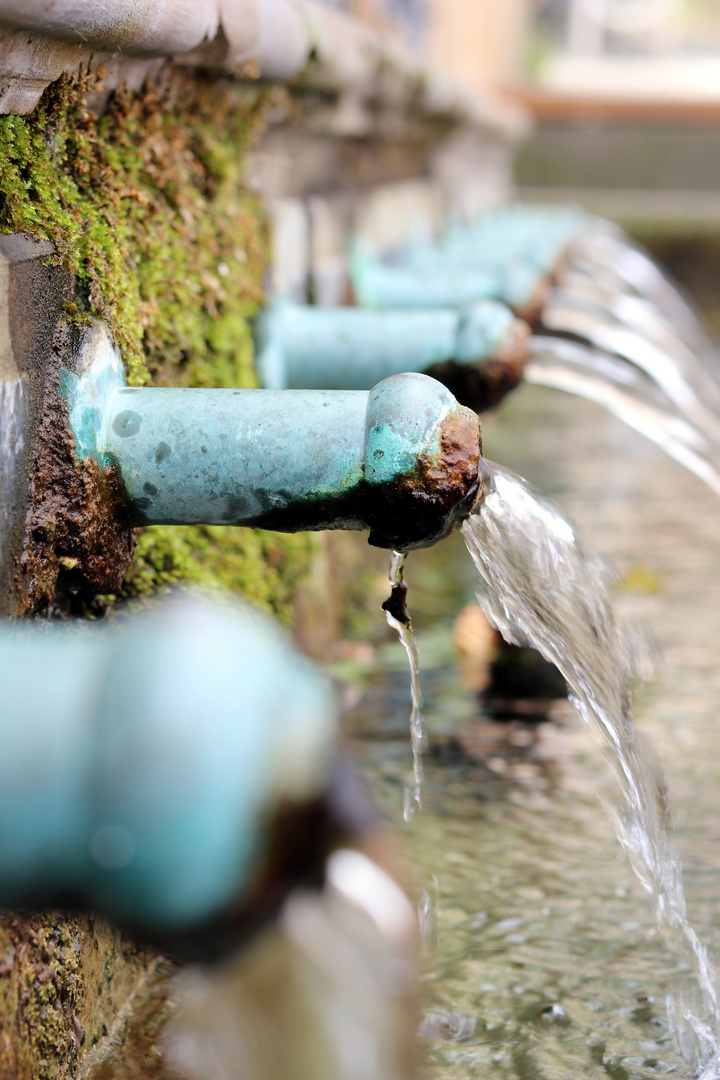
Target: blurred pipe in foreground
{"type": "Point", "coordinates": [328, 993]}
{"type": "Point", "coordinates": [179, 771]}
{"type": "Point", "coordinates": [176, 770]}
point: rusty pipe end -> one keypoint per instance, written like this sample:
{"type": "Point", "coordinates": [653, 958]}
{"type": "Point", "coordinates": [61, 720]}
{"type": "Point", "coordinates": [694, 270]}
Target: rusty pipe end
{"type": "Point", "coordinates": [416, 496]}
{"type": "Point", "coordinates": [483, 384]}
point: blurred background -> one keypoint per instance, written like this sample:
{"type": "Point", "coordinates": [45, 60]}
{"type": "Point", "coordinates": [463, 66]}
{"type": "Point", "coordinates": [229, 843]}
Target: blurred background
{"type": "Point", "coordinates": [625, 101]}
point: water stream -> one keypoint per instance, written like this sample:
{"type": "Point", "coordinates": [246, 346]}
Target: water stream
{"type": "Point", "coordinates": [618, 333]}
{"type": "Point", "coordinates": [614, 266]}
{"type": "Point", "coordinates": [684, 382]}
{"type": "Point", "coordinates": [545, 962]}
{"type": "Point", "coordinates": [628, 393]}
{"type": "Point", "coordinates": [539, 588]}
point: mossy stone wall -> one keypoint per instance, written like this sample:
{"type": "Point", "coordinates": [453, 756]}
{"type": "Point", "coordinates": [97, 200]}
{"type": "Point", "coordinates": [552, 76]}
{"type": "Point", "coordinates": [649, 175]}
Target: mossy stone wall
{"type": "Point", "coordinates": [147, 207]}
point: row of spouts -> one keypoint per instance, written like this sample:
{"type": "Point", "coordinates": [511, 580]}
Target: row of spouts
{"type": "Point", "coordinates": [596, 288]}
{"type": "Point", "coordinates": [159, 771]}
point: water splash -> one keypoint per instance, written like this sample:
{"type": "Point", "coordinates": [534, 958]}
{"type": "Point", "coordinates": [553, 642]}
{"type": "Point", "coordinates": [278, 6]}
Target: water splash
{"type": "Point", "coordinates": [539, 587]}
{"type": "Point", "coordinates": [397, 616]}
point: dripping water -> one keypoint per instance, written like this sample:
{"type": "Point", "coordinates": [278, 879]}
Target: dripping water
{"type": "Point", "coordinates": [538, 587]}
{"type": "Point", "coordinates": [396, 612]}
{"type": "Point", "coordinates": [428, 916]}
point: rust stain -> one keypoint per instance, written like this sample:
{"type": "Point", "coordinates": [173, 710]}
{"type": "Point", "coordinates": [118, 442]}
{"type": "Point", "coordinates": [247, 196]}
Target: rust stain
{"type": "Point", "coordinates": [421, 508]}
{"type": "Point", "coordinates": [454, 473]}
{"type": "Point", "coordinates": [78, 539]}
{"type": "Point", "coordinates": [414, 510]}
{"type": "Point", "coordinates": [483, 385]}
{"type": "Point", "coordinates": [532, 311]}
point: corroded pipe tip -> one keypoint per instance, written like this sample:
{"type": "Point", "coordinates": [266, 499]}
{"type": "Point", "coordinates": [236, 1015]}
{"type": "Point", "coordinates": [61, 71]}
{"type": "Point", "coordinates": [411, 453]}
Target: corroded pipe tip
{"type": "Point", "coordinates": [484, 384]}
{"type": "Point", "coordinates": [419, 505]}
{"type": "Point", "coordinates": [531, 309]}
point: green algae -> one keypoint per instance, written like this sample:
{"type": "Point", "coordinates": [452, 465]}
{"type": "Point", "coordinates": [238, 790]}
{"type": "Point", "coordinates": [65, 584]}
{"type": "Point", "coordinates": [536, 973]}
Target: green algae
{"type": "Point", "coordinates": [265, 567]}
{"type": "Point", "coordinates": [147, 207]}
{"type": "Point", "coordinates": [41, 989]}
{"type": "Point", "coordinates": [67, 981]}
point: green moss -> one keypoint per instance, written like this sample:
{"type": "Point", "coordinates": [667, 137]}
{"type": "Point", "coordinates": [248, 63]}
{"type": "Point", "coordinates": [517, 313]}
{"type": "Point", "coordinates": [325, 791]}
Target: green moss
{"type": "Point", "coordinates": [147, 206]}
{"type": "Point", "coordinates": [265, 567]}
{"type": "Point", "coordinates": [41, 952]}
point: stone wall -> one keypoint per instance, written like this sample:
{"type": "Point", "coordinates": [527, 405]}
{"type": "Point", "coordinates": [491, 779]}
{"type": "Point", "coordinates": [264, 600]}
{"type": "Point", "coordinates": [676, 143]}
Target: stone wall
{"type": "Point", "coordinates": [151, 194]}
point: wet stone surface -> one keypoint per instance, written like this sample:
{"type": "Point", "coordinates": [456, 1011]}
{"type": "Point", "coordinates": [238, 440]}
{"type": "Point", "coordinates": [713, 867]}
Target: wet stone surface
{"type": "Point", "coordinates": [542, 959]}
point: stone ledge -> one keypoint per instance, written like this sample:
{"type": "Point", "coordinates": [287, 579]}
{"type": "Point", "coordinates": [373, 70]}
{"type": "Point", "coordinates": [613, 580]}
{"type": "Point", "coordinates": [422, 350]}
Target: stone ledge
{"type": "Point", "coordinates": [320, 49]}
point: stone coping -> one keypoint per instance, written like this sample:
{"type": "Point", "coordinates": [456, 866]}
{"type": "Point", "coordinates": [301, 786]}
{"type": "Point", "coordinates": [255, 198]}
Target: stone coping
{"type": "Point", "coordinates": [315, 47]}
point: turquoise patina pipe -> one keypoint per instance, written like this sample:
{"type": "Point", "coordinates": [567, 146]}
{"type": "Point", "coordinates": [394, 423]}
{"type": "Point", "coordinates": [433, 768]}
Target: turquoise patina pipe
{"type": "Point", "coordinates": [509, 255]}
{"type": "Point", "coordinates": [476, 351]}
{"type": "Point", "coordinates": [518, 224]}
{"type": "Point", "coordinates": [402, 460]}
{"type": "Point", "coordinates": [447, 284]}
{"type": "Point", "coordinates": [519, 232]}
{"type": "Point", "coordinates": [149, 770]}
{"type": "Point", "coordinates": [543, 255]}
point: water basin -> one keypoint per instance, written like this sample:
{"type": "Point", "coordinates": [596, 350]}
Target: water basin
{"type": "Point", "coordinates": [542, 958]}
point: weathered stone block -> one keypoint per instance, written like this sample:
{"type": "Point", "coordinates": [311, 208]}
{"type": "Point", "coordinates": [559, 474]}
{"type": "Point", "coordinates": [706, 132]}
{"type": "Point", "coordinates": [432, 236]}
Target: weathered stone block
{"type": "Point", "coordinates": [33, 296]}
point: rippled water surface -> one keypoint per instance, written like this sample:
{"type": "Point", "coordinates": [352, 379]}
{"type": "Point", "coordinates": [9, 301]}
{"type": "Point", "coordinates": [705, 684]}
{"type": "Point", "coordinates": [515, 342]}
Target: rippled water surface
{"type": "Point", "coordinates": [542, 956]}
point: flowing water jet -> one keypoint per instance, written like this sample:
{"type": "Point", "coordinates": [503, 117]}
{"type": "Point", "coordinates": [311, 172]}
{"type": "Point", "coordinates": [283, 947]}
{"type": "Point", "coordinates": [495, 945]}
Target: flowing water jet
{"type": "Point", "coordinates": [634, 271]}
{"type": "Point", "coordinates": [604, 341]}
{"type": "Point", "coordinates": [539, 587]}
{"type": "Point", "coordinates": [628, 393]}
{"type": "Point", "coordinates": [683, 380]}
{"type": "Point", "coordinates": [632, 312]}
